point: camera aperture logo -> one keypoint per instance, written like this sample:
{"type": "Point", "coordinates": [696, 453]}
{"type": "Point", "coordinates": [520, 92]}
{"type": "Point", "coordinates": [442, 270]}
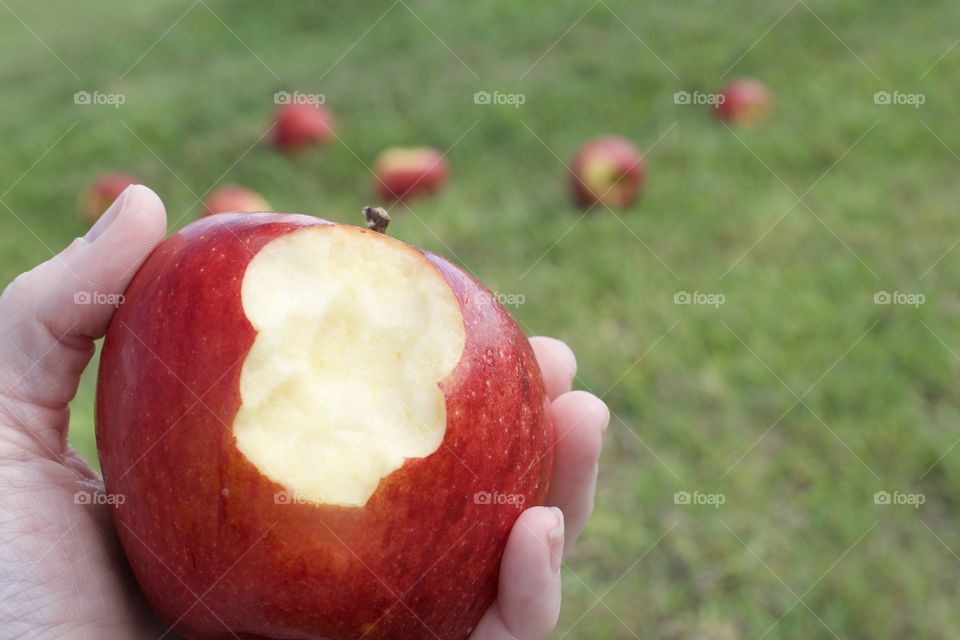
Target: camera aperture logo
{"type": "Point", "coordinates": [97, 99]}
{"type": "Point", "coordinates": [699, 298]}
{"type": "Point", "coordinates": [96, 297]}
{"type": "Point", "coordinates": [899, 297]}
{"type": "Point", "coordinates": [97, 498]}
{"type": "Point", "coordinates": [698, 498]}
{"type": "Point", "coordinates": [698, 98]}
{"type": "Point", "coordinates": [510, 99]}
{"type": "Point", "coordinates": [898, 98]}
{"type": "Point", "coordinates": [898, 498]}
{"type": "Point", "coordinates": [298, 97]}
{"type": "Point", "coordinates": [496, 498]}
{"type": "Point", "coordinates": [484, 298]}
{"type": "Point", "coordinates": [288, 497]}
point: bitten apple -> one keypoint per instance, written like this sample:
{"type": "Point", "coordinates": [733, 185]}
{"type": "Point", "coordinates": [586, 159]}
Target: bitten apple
{"type": "Point", "coordinates": [233, 199]}
{"type": "Point", "coordinates": [608, 170]}
{"type": "Point", "coordinates": [403, 173]}
{"type": "Point", "coordinates": [320, 432]}
{"type": "Point", "coordinates": [102, 192]}
{"type": "Point", "coordinates": [301, 125]}
{"type": "Point", "coordinates": [745, 102]}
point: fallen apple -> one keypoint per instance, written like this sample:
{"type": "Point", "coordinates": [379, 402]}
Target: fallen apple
{"type": "Point", "coordinates": [233, 199]}
{"type": "Point", "coordinates": [102, 192]}
{"type": "Point", "coordinates": [320, 432]}
{"type": "Point", "coordinates": [745, 102]}
{"type": "Point", "coordinates": [406, 172]}
{"type": "Point", "coordinates": [300, 125]}
{"type": "Point", "coordinates": [608, 170]}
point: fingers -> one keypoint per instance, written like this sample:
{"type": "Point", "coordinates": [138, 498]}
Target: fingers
{"type": "Point", "coordinates": [580, 419]}
{"type": "Point", "coordinates": [50, 315]}
{"type": "Point", "coordinates": [557, 363]}
{"type": "Point", "coordinates": [76, 292]}
{"type": "Point", "coordinates": [528, 599]}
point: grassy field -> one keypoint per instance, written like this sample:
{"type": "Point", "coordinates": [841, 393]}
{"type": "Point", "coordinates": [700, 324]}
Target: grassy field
{"type": "Point", "coordinates": [795, 401]}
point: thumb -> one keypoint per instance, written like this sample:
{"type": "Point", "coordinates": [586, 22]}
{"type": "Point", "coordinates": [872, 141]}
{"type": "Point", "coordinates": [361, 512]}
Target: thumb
{"type": "Point", "coordinates": [76, 292]}
{"type": "Point", "coordinates": [50, 315]}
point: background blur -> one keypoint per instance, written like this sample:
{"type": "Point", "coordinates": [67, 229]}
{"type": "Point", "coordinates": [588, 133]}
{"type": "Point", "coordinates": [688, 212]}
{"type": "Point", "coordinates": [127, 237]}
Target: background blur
{"type": "Point", "coordinates": [792, 403]}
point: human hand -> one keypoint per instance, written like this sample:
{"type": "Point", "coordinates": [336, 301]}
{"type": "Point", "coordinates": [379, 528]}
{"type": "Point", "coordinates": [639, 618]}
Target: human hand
{"type": "Point", "coordinates": [62, 571]}
{"type": "Point", "coordinates": [528, 599]}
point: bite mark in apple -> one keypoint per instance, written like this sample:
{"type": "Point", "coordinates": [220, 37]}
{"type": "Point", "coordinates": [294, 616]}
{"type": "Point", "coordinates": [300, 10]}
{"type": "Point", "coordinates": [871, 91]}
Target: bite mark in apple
{"type": "Point", "coordinates": [354, 332]}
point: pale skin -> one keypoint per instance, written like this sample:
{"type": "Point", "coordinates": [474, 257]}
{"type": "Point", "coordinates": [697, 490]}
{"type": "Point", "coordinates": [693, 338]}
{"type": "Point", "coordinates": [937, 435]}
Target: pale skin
{"type": "Point", "coordinates": [62, 572]}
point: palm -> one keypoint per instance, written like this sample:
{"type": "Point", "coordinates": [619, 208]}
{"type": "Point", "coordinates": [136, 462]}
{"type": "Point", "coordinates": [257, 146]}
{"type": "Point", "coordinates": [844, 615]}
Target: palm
{"type": "Point", "coordinates": [62, 572]}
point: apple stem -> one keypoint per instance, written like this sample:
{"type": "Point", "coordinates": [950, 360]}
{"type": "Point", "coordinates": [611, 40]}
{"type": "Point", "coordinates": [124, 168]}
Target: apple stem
{"type": "Point", "coordinates": [377, 218]}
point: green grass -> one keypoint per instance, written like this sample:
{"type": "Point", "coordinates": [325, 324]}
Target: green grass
{"type": "Point", "coordinates": [703, 398]}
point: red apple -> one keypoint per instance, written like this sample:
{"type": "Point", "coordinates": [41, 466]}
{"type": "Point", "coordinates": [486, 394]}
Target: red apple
{"type": "Point", "coordinates": [233, 199]}
{"type": "Point", "coordinates": [406, 172]}
{"type": "Point", "coordinates": [319, 432]}
{"type": "Point", "coordinates": [608, 170]}
{"type": "Point", "coordinates": [101, 194]}
{"type": "Point", "coordinates": [300, 125]}
{"type": "Point", "coordinates": [745, 102]}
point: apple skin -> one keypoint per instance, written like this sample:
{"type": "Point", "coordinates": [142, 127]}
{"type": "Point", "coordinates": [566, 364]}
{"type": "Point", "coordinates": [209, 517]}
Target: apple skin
{"type": "Point", "coordinates": [301, 125]}
{"type": "Point", "coordinates": [199, 519]}
{"type": "Point", "coordinates": [233, 199]}
{"type": "Point", "coordinates": [102, 192]}
{"type": "Point", "coordinates": [609, 170]}
{"type": "Point", "coordinates": [746, 102]}
{"type": "Point", "coordinates": [403, 173]}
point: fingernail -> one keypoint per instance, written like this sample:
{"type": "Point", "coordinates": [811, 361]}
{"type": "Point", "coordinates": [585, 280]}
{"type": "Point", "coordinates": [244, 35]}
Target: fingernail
{"type": "Point", "coordinates": [110, 215]}
{"type": "Point", "coordinates": [555, 541]}
{"type": "Point", "coordinates": [606, 419]}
